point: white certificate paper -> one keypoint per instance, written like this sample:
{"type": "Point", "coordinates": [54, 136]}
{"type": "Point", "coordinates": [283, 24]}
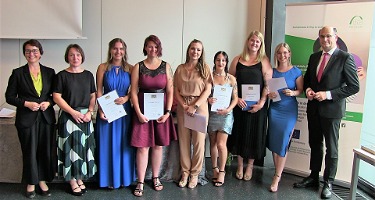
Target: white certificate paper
{"type": "Point", "coordinates": [196, 122]}
{"type": "Point", "coordinates": [251, 94]}
{"type": "Point", "coordinates": [111, 110]}
{"type": "Point", "coordinates": [276, 84]}
{"type": "Point", "coordinates": [223, 95]}
{"type": "Point", "coordinates": [153, 105]}
{"type": "Point", "coordinates": [7, 113]}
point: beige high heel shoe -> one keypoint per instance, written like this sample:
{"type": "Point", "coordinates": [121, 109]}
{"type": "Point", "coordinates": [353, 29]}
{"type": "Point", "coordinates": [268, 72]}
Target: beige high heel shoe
{"type": "Point", "coordinates": [239, 173]}
{"type": "Point", "coordinates": [248, 173]}
{"type": "Point", "coordinates": [275, 183]}
{"type": "Point", "coordinates": [183, 181]}
{"type": "Point", "coordinates": [193, 182]}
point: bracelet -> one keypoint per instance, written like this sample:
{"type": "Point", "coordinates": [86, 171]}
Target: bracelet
{"type": "Point", "coordinates": [168, 111]}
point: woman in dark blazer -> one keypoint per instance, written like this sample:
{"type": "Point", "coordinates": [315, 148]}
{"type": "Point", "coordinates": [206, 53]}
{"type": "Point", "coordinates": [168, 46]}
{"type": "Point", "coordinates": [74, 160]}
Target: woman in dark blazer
{"type": "Point", "coordinates": [30, 90]}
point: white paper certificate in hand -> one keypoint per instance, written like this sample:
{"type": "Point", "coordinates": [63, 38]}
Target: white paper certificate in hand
{"type": "Point", "coordinates": [223, 95]}
{"type": "Point", "coordinates": [275, 84]}
{"type": "Point", "coordinates": [153, 105]}
{"type": "Point", "coordinates": [112, 111]}
{"type": "Point", "coordinates": [251, 94]}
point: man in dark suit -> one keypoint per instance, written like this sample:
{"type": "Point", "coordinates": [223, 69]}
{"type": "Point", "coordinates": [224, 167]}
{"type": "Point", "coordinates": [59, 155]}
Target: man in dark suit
{"type": "Point", "coordinates": [330, 77]}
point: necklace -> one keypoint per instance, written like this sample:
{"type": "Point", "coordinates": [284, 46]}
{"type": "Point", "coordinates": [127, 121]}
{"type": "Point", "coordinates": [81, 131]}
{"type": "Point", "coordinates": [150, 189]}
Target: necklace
{"type": "Point", "coordinates": [221, 74]}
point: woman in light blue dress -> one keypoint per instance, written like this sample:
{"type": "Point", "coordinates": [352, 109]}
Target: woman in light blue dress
{"type": "Point", "coordinates": [220, 121]}
{"type": "Point", "coordinates": [115, 156]}
{"type": "Point", "coordinates": [282, 115]}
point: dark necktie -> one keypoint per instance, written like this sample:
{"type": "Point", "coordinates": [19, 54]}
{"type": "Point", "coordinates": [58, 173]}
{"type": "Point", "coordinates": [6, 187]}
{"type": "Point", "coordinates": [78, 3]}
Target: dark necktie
{"type": "Point", "coordinates": [321, 67]}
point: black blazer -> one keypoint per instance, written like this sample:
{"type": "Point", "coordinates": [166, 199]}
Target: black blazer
{"type": "Point", "coordinates": [340, 77]}
{"type": "Point", "coordinates": [21, 88]}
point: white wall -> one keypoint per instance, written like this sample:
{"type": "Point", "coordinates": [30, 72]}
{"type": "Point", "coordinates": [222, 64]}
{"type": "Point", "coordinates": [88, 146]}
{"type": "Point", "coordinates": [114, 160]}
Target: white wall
{"type": "Point", "coordinates": [219, 24]}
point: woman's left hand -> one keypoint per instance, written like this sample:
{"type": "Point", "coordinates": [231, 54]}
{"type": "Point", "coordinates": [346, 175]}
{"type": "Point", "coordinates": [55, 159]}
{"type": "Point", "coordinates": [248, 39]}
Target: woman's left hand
{"type": "Point", "coordinates": [190, 110]}
{"type": "Point", "coordinates": [87, 117]}
{"type": "Point", "coordinates": [288, 92]}
{"type": "Point", "coordinates": [255, 108]}
{"type": "Point", "coordinates": [121, 100]}
{"type": "Point", "coordinates": [223, 111]}
{"type": "Point", "coordinates": [163, 118]}
{"type": "Point", "coordinates": [44, 105]}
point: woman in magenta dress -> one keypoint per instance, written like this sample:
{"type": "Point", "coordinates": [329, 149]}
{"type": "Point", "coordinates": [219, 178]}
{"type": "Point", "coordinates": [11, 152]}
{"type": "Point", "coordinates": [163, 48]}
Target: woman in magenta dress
{"type": "Point", "coordinates": [151, 75]}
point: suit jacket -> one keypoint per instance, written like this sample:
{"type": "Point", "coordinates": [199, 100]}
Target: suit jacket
{"type": "Point", "coordinates": [21, 88]}
{"type": "Point", "coordinates": [339, 76]}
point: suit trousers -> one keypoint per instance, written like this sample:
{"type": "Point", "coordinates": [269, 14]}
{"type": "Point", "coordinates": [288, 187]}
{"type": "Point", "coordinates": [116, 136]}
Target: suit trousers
{"type": "Point", "coordinates": [327, 128]}
{"type": "Point", "coordinates": [37, 145]}
{"type": "Point", "coordinates": [192, 143]}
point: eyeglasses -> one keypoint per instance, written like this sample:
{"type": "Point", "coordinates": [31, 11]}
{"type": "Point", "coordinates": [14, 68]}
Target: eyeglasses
{"type": "Point", "coordinates": [326, 36]}
{"type": "Point", "coordinates": [28, 51]}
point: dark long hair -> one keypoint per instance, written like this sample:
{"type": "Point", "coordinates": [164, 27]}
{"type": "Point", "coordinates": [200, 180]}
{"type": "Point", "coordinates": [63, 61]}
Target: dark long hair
{"type": "Point", "coordinates": [226, 60]}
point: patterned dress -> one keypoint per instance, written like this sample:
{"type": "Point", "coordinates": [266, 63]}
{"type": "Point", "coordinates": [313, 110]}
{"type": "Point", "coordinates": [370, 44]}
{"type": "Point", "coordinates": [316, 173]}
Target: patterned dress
{"type": "Point", "coordinates": [75, 143]}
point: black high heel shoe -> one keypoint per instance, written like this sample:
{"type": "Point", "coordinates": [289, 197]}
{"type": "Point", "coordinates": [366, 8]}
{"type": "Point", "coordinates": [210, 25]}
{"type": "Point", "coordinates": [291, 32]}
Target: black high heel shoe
{"type": "Point", "coordinates": [158, 186]}
{"type": "Point", "coordinates": [83, 190]}
{"type": "Point", "coordinates": [80, 193]}
{"type": "Point", "coordinates": [46, 193]}
{"type": "Point", "coordinates": [220, 183]}
{"type": "Point", "coordinates": [138, 190]}
{"type": "Point", "coordinates": [31, 194]}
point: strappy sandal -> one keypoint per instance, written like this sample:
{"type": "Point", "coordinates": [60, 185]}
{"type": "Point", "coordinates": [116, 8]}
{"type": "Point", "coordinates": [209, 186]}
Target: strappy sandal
{"type": "Point", "coordinates": [138, 191]}
{"type": "Point", "coordinates": [275, 183]}
{"type": "Point", "coordinates": [157, 184]}
{"type": "Point", "coordinates": [214, 178]}
{"type": "Point", "coordinates": [220, 183]}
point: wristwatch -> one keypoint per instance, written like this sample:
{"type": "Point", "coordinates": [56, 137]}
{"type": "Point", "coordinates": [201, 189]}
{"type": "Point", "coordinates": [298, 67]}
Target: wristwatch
{"type": "Point", "coordinates": [196, 107]}
{"type": "Point", "coordinates": [168, 111]}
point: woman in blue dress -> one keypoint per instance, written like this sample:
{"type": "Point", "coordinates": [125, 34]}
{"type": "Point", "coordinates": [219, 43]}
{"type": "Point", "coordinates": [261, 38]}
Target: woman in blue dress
{"type": "Point", "coordinates": [116, 158]}
{"type": "Point", "coordinates": [282, 115]}
{"type": "Point", "coordinates": [220, 122]}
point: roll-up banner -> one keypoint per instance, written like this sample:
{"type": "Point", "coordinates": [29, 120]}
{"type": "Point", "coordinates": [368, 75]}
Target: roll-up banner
{"type": "Point", "coordinates": [353, 21]}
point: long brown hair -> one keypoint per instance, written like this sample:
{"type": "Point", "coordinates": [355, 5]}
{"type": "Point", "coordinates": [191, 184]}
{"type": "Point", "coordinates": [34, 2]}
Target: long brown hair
{"type": "Point", "coordinates": [124, 62]}
{"type": "Point", "coordinates": [202, 67]}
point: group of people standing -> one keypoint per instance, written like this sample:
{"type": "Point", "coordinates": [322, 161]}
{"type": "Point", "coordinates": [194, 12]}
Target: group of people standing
{"type": "Point", "coordinates": [118, 152]}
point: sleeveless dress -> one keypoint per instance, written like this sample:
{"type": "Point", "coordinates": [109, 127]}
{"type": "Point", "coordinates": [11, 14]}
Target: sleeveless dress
{"type": "Point", "coordinates": [248, 137]}
{"type": "Point", "coordinates": [223, 123]}
{"type": "Point", "coordinates": [282, 115]}
{"type": "Point", "coordinates": [116, 158]}
{"type": "Point", "coordinates": [152, 133]}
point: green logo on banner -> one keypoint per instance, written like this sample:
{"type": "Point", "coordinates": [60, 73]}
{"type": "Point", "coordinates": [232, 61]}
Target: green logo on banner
{"type": "Point", "coordinates": [353, 116]}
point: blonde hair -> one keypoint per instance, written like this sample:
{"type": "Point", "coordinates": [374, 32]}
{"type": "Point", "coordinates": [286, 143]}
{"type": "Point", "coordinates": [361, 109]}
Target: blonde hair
{"type": "Point", "coordinates": [286, 46]}
{"type": "Point", "coordinates": [261, 52]}
{"type": "Point", "coordinates": [202, 67]}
